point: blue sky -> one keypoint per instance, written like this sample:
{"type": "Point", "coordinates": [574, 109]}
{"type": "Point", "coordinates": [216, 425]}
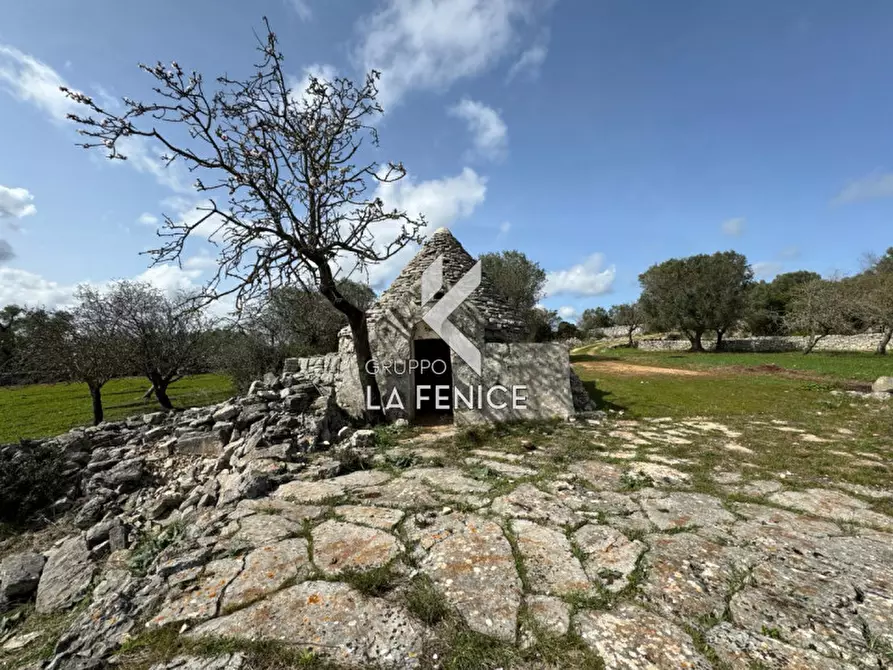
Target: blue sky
{"type": "Point", "coordinates": [596, 137]}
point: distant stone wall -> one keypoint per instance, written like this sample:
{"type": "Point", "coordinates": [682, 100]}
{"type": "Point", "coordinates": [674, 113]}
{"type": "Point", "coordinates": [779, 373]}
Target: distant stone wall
{"type": "Point", "coordinates": [864, 342]}
{"type": "Point", "coordinates": [322, 370]}
{"type": "Point", "coordinates": [617, 331]}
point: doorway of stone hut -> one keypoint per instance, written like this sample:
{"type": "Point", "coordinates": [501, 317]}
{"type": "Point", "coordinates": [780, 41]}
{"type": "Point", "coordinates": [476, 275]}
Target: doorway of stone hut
{"type": "Point", "coordinates": [438, 372]}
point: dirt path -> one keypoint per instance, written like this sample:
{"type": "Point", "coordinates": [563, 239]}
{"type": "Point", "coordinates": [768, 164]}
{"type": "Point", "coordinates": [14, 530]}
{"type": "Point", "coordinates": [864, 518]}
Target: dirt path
{"type": "Point", "coordinates": [632, 369]}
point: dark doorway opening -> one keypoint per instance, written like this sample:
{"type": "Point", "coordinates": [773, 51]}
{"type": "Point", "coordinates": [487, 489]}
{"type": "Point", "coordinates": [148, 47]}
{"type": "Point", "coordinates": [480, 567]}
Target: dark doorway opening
{"type": "Point", "coordinates": [438, 372]}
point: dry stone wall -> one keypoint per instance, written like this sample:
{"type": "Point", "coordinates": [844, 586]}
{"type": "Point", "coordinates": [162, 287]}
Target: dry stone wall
{"type": "Point", "coordinates": [864, 342]}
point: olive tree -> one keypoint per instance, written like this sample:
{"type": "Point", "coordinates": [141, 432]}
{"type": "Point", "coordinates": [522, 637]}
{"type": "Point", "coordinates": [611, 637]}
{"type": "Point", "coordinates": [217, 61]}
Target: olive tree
{"type": "Point", "coordinates": [286, 174]}
{"type": "Point", "coordinates": [818, 309]}
{"type": "Point", "coordinates": [697, 294]}
{"type": "Point", "coordinates": [873, 297]}
{"type": "Point", "coordinates": [630, 316]}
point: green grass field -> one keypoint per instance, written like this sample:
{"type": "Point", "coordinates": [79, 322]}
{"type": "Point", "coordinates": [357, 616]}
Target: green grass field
{"type": "Point", "coordinates": [787, 386]}
{"type": "Point", "coordinates": [40, 410]}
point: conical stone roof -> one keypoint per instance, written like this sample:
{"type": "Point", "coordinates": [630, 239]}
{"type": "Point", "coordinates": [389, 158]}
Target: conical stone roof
{"type": "Point", "coordinates": [502, 321]}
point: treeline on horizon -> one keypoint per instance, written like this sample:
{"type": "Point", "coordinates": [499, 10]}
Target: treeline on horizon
{"type": "Point", "coordinates": [135, 329]}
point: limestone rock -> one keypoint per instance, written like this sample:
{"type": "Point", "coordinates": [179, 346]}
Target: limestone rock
{"type": "Point", "coordinates": [226, 662]}
{"type": "Point", "coordinates": [610, 556]}
{"type": "Point", "coordinates": [378, 517]}
{"type": "Point", "coordinates": [599, 475]}
{"type": "Point", "coordinates": [470, 561]}
{"type": "Point", "coordinates": [528, 502]}
{"type": "Point", "coordinates": [66, 576]}
{"type": "Point", "coordinates": [629, 638]}
{"type": "Point", "coordinates": [267, 569]}
{"type": "Point", "coordinates": [883, 385]}
{"type": "Point", "coordinates": [19, 576]}
{"type": "Point", "coordinates": [678, 510]}
{"type": "Point", "coordinates": [332, 619]}
{"type": "Point", "coordinates": [832, 505]}
{"type": "Point", "coordinates": [201, 601]}
{"type": "Point", "coordinates": [657, 474]}
{"type": "Point", "coordinates": [551, 565]}
{"type": "Point", "coordinates": [339, 546]}
{"type": "Point", "coordinates": [551, 615]}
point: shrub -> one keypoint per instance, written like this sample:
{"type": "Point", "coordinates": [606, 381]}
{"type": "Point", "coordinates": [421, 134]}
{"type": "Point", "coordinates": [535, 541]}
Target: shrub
{"type": "Point", "coordinates": [30, 479]}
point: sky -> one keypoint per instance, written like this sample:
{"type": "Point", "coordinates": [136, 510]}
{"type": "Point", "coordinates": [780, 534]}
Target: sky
{"type": "Point", "coordinates": [596, 137]}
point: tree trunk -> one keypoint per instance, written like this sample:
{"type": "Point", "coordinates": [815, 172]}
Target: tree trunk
{"type": "Point", "coordinates": [96, 397]}
{"type": "Point", "coordinates": [629, 334]}
{"type": "Point", "coordinates": [148, 394]}
{"type": "Point", "coordinates": [356, 318]}
{"type": "Point", "coordinates": [719, 344]}
{"type": "Point", "coordinates": [885, 340]}
{"type": "Point", "coordinates": [695, 339]}
{"type": "Point", "coordinates": [161, 395]}
{"type": "Point", "coordinates": [811, 342]}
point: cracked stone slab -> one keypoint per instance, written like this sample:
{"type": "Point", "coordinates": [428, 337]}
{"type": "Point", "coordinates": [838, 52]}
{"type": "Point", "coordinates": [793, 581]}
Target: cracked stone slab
{"type": "Point", "coordinates": [399, 492]}
{"type": "Point", "coordinates": [384, 518]}
{"type": "Point", "coordinates": [599, 475]}
{"type": "Point", "coordinates": [551, 615]}
{"type": "Point", "coordinates": [688, 576]}
{"type": "Point", "coordinates": [339, 546]}
{"type": "Point", "coordinates": [743, 649]}
{"type": "Point", "coordinates": [471, 562]}
{"type": "Point", "coordinates": [528, 502]}
{"type": "Point", "coordinates": [611, 557]}
{"type": "Point", "coordinates": [202, 600]}
{"type": "Point", "coordinates": [806, 603]}
{"type": "Point", "coordinates": [361, 479]}
{"type": "Point", "coordinates": [291, 511]}
{"type": "Point", "coordinates": [332, 619]}
{"type": "Point", "coordinates": [548, 558]}
{"type": "Point", "coordinates": [452, 480]}
{"type": "Point", "coordinates": [308, 491]}
{"type": "Point", "coordinates": [658, 474]}
{"type": "Point", "coordinates": [630, 638]}
{"type": "Point", "coordinates": [66, 576]}
{"type": "Point", "coordinates": [235, 661]}
{"type": "Point", "coordinates": [261, 529]}
{"type": "Point", "coordinates": [266, 570]}
{"type": "Point", "coordinates": [833, 505]}
{"type": "Point", "coordinates": [678, 510]}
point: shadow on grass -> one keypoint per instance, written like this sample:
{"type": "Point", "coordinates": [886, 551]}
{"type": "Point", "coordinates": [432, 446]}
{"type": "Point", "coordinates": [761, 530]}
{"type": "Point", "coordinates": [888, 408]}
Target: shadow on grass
{"type": "Point", "coordinates": [600, 397]}
{"type": "Point", "coordinates": [589, 358]}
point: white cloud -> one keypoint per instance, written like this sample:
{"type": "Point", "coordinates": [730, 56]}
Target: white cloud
{"type": "Point", "coordinates": [766, 269]}
{"type": "Point", "coordinates": [201, 262]}
{"type": "Point", "coordinates": [873, 186]}
{"type": "Point", "coordinates": [441, 201]}
{"type": "Point", "coordinates": [490, 134]}
{"type": "Point", "coordinates": [504, 229]}
{"type": "Point", "coordinates": [567, 312]}
{"type": "Point", "coordinates": [16, 203]}
{"type": "Point", "coordinates": [302, 8]}
{"type": "Point", "coordinates": [531, 59]}
{"type": "Point", "coordinates": [298, 85]}
{"type": "Point", "coordinates": [170, 278]}
{"type": "Point", "coordinates": [146, 219]}
{"type": "Point", "coordinates": [33, 81]}
{"type": "Point", "coordinates": [733, 227]}
{"type": "Point", "coordinates": [588, 278]}
{"type": "Point", "coordinates": [430, 45]}
{"type": "Point", "coordinates": [19, 287]}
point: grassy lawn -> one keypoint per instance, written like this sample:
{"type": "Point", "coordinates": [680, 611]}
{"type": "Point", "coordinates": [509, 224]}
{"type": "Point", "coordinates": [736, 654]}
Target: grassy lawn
{"type": "Point", "coordinates": [40, 410]}
{"type": "Point", "coordinates": [680, 384]}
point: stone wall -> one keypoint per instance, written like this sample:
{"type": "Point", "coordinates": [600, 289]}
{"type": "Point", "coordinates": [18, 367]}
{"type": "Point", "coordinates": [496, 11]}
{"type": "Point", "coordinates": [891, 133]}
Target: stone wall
{"type": "Point", "coordinates": [543, 368]}
{"type": "Point", "coordinates": [866, 342]}
{"type": "Point", "coordinates": [617, 331]}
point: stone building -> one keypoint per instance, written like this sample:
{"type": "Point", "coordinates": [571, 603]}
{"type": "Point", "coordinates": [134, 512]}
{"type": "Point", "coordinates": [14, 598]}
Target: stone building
{"type": "Point", "coordinates": [411, 359]}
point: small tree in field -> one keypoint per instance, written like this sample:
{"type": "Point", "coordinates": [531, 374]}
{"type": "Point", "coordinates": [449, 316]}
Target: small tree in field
{"type": "Point", "coordinates": [818, 309]}
{"type": "Point", "coordinates": [593, 319]}
{"type": "Point", "coordinates": [874, 297]}
{"type": "Point", "coordinates": [164, 337]}
{"type": "Point", "coordinates": [85, 345]}
{"type": "Point", "coordinates": [630, 316]}
{"type": "Point", "coordinates": [283, 172]}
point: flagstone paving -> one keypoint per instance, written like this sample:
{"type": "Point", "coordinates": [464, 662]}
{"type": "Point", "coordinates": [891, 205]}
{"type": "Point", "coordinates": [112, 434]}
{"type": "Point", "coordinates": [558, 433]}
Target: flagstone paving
{"type": "Point", "coordinates": [701, 558]}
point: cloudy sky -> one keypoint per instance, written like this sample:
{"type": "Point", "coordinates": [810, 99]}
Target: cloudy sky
{"type": "Point", "coordinates": [596, 137]}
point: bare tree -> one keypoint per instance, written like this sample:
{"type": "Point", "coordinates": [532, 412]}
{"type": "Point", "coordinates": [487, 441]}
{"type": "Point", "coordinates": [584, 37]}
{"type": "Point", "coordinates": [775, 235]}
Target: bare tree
{"type": "Point", "coordinates": [873, 297]}
{"type": "Point", "coordinates": [283, 172]}
{"type": "Point", "coordinates": [165, 337]}
{"type": "Point", "coordinates": [818, 309]}
{"type": "Point", "coordinates": [84, 345]}
{"type": "Point", "coordinates": [628, 315]}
